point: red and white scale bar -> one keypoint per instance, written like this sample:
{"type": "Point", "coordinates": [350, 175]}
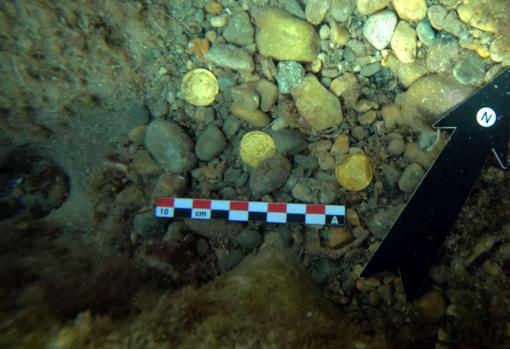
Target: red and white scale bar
{"type": "Point", "coordinates": [243, 211]}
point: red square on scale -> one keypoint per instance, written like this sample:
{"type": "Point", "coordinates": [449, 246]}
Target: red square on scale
{"type": "Point", "coordinates": [165, 202]}
{"type": "Point", "coordinates": [202, 203]}
{"type": "Point", "coordinates": [239, 205]}
{"type": "Point", "coordinates": [316, 209]}
{"type": "Point", "coordinates": [277, 207]}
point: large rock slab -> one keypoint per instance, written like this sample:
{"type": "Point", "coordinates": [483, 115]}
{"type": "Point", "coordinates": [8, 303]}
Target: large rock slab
{"type": "Point", "coordinates": [432, 96]}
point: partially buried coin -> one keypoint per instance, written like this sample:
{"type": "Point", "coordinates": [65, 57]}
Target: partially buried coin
{"type": "Point", "coordinates": [255, 147]}
{"type": "Point", "coordinates": [199, 87]}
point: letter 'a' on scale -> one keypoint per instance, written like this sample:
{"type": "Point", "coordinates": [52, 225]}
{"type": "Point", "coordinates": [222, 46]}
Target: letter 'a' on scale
{"type": "Point", "coordinates": [480, 125]}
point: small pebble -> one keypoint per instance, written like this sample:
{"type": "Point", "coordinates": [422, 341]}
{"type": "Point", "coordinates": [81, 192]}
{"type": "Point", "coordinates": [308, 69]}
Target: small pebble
{"type": "Point", "coordinates": [137, 134]}
{"type": "Point", "coordinates": [338, 237]}
{"type": "Point", "coordinates": [290, 74]}
{"type": "Point", "coordinates": [391, 174]}
{"type": "Point", "coordinates": [396, 146]}
{"type": "Point", "coordinates": [370, 69]}
{"type": "Point", "coordinates": [367, 284]}
{"type": "Point", "coordinates": [403, 43]}
{"type": "Point", "coordinates": [355, 172]}
{"type": "Point", "coordinates": [144, 165]}
{"type": "Point", "coordinates": [339, 35]}
{"type": "Point", "coordinates": [231, 57]}
{"type": "Point", "coordinates": [341, 145]}
{"type": "Point", "coordinates": [431, 306]}
{"type": "Point", "coordinates": [169, 185]}
{"type": "Point", "coordinates": [219, 21]}
{"type": "Point", "coordinates": [359, 132]}
{"type": "Point", "coordinates": [368, 117]}
{"type": "Point", "coordinates": [352, 217]}
{"type": "Point", "coordinates": [382, 220]}
{"type": "Point", "coordinates": [425, 32]}
{"type": "Point", "coordinates": [470, 71]}
{"type": "Point", "coordinates": [268, 93]}
{"type": "Point", "coordinates": [411, 177]}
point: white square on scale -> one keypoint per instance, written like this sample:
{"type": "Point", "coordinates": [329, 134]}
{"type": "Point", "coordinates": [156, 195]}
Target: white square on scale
{"type": "Point", "coordinates": [296, 208]}
{"type": "Point", "coordinates": [335, 210]}
{"type": "Point", "coordinates": [276, 217]}
{"type": "Point", "coordinates": [223, 205]}
{"type": "Point", "coordinates": [315, 219]}
{"type": "Point", "coordinates": [183, 203]}
{"type": "Point", "coordinates": [241, 216]}
{"type": "Point", "coordinates": [257, 206]}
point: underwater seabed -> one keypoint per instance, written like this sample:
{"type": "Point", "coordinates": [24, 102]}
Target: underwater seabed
{"type": "Point", "coordinates": [107, 106]}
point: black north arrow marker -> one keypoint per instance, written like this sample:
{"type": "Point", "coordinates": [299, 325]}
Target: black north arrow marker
{"type": "Point", "coordinates": [481, 124]}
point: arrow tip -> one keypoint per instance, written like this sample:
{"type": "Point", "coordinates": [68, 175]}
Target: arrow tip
{"type": "Point", "coordinates": [412, 281]}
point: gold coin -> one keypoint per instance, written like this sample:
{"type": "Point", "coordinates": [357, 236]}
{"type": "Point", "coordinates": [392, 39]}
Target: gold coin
{"type": "Point", "coordinates": [199, 87]}
{"type": "Point", "coordinates": [355, 172]}
{"type": "Point", "coordinates": [255, 147]}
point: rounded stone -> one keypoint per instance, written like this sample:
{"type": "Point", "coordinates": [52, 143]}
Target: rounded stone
{"type": "Point", "coordinates": [284, 37]}
{"type": "Point", "coordinates": [367, 7]}
{"type": "Point", "coordinates": [411, 10]}
{"type": "Point", "coordinates": [396, 146]}
{"type": "Point", "coordinates": [199, 87]}
{"type": "Point", "coordinates": [379, 28]}
{"type": "Point", "coordinates": [255, 147]}
{"type": "Point", "coordinates": [239, 30]}
{"type": "Point", "coordinates": [249, 239]}
{"type": "Point", "coordinates": [425, 32]}
{"type": "Point", "coordinates": [210, 144]}
{"type": "Point", "coordinates": [341, 10]}
{"type": "Point", "coordinates": [319, 108]}
{"type": "Point", "coordinates": [411, 177]}
{"type": "Point", "coordinates": [431, 306]}
{"type": "Point", "coordinates": [355, 172]}
{"type": "Point", "coordinates": [290, 74]}
{"type": "Point", "coordinates": [270, 175]}
{"type": "Point", "coordinates": [403, 43]}
{"type": "Point", "coordinates": [316, 10]}
{"type": "Point", "coordinates": [289, 141]}
{"type": "Point", "coordinates": [470, 71]}
{"type": "Point", "coordinates": [230, 57]}
{"type": "Point", "coordinates": [170, 146]}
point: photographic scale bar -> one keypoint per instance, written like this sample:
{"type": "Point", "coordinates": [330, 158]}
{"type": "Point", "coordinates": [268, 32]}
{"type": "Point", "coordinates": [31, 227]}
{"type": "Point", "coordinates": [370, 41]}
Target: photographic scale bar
{"type": "Point", "coordinates": [244, 211]}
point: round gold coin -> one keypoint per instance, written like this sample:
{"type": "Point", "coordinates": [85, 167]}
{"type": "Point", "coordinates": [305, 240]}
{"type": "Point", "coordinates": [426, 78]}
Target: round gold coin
{"type": "Point", "coordinates": [199, 87]}
{"type": "Point", "coordinates": [255, 147]}
{"type": "Point", "coordinates": [355, 172]}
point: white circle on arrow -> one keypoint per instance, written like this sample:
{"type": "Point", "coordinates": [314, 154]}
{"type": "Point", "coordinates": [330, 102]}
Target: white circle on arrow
{"type": "Point", "coordinates": [486, 117]}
